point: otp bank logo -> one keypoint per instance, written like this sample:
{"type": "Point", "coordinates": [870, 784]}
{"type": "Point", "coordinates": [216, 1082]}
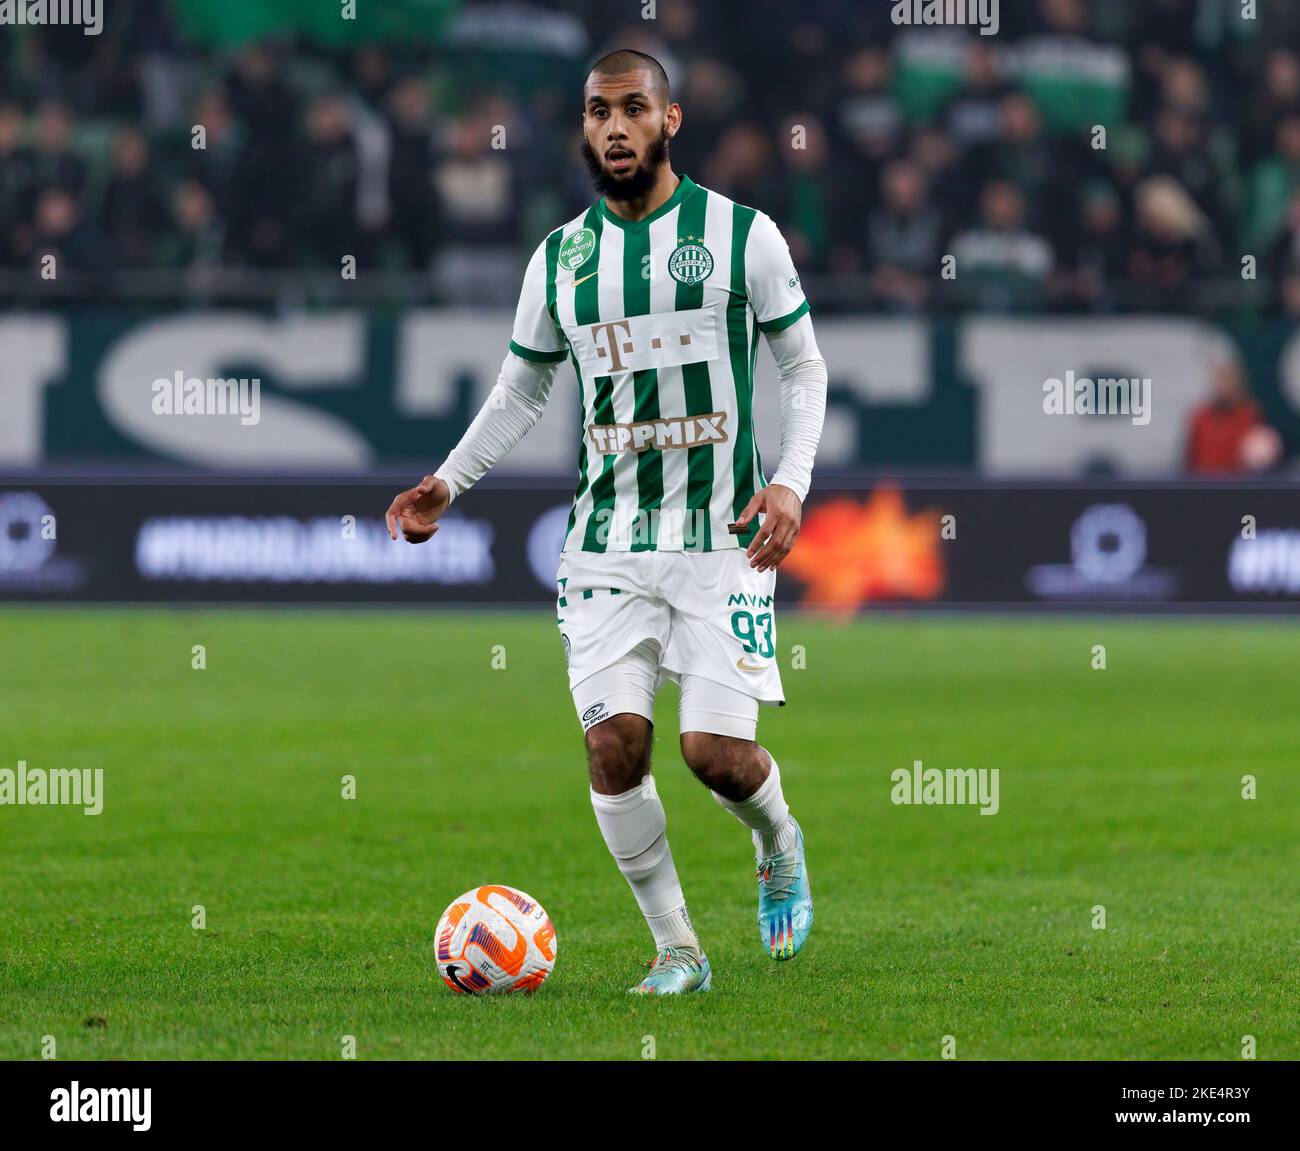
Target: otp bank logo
{"type": "Point", "coordinates": [852, 551]}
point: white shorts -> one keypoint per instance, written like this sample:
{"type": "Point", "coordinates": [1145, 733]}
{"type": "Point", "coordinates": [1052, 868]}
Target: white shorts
{"type": "Point", "coordinates": [631, 682]}
{"type": "Point", "coordinates": [708, 617]}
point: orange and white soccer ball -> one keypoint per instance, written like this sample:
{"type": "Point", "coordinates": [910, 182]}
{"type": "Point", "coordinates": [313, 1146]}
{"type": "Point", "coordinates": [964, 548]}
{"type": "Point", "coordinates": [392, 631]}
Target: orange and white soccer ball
{"type": "Point", "coordinates": [495, 938]}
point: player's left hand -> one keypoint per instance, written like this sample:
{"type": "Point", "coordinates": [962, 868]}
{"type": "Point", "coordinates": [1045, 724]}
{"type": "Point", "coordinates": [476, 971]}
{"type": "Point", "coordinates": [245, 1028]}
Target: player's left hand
{"type": "Point", "coordinates": [782, 512]}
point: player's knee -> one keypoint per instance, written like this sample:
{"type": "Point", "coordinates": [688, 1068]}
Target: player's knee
{"type": "Point", "coordinates": [709, 756]}
{"type": "Point", "coordinates": [618, 753]}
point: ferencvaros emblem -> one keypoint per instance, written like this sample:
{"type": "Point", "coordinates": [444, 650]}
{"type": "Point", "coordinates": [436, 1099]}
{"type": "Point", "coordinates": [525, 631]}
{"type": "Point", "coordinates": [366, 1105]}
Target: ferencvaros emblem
{"type": "Point", "coordinates": [576, 249]}
{"type": "Point", "coordinates": [690, 262]}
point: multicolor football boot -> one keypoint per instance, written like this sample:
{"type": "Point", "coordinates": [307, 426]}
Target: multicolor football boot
{"type": "Point", "coordinates": [675, 971]}
{"type": "Point", "coordinates": [785, 908]}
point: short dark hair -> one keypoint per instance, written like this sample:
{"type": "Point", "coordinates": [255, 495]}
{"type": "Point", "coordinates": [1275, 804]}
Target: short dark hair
{"type": "Point", "coordinates": [630, 60]}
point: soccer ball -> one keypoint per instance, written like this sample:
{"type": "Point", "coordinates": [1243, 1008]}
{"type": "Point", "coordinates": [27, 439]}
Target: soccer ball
{"type": "Point", "coordinates": [495, 938]}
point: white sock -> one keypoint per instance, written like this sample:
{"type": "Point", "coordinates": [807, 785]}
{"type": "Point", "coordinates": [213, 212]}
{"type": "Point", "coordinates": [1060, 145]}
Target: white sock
{"type": "Point", "coordinates": [766, 814]}
{"type": "Point", "coordinates": [635, 831]}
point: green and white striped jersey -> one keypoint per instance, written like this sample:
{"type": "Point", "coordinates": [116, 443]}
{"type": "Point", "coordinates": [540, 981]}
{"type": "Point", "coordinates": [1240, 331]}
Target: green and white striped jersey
{"type": "Point", "coordinates": [661, 319]}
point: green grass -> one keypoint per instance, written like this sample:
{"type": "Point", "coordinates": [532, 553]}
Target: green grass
{"type": "Point", "coordinates": [1119, 787]}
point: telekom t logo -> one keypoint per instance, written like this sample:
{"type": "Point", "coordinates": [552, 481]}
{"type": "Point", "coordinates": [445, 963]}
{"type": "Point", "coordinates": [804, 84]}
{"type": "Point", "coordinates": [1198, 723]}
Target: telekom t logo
{"type": "Point", "coordinates": [615, 345]}
{"type": "Point", "coordinates": [611, 351]}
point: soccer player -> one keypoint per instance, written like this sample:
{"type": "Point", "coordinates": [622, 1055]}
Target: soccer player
{"type": "Point", "coordinates": [657, 294]}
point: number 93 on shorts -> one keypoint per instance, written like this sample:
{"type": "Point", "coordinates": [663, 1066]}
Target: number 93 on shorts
{"type": "Point", "coordinates": [709, 614]}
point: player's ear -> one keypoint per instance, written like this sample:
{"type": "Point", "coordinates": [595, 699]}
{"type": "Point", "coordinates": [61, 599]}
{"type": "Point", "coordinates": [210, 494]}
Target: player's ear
{"type": "Point", "coordinates": [672, 119]}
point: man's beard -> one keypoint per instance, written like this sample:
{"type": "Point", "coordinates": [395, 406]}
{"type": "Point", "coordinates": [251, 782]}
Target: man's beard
{"type": "Point", "coordinates": [635, 183]}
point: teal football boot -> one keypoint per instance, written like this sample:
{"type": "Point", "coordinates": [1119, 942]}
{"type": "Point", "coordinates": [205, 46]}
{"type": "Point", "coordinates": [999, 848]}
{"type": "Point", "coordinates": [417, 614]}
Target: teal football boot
{"type": "Point", "coordinates": [675, 971]}
{"type": "Point", "coordinates": [785, 907]}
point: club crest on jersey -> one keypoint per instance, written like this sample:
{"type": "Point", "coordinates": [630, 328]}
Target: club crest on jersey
{"type": "Point", "coordinates": [690, 262]}
{"type": "Point", "coordinates": [577, 249]}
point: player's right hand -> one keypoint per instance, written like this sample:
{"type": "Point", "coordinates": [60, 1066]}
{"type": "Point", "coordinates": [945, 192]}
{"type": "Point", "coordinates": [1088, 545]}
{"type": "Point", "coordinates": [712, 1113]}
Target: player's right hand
{"type": "Point", "coordinates": [416, 511]}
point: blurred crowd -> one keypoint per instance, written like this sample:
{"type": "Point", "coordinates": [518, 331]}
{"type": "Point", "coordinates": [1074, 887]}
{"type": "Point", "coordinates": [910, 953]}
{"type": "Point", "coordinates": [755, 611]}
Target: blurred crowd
{"type": "Point", "coordinates": [878, 149]}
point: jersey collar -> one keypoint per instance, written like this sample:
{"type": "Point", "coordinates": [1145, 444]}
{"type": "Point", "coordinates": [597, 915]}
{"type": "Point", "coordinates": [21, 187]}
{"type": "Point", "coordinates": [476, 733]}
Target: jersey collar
{"type": "Point", "coordinates": [685, 186]}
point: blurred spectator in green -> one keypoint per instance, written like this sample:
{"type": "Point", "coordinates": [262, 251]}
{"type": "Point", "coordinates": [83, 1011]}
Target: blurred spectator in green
{"type": "Point", "coordinates": [197, 240]}
{"type": "Point", "coordinates": [57, 165]}
{"type": "Point", "coordinates": [903, 241]}
{"type": "Point", "coordinates": [974, 115]}
{"type": "Point", "coordinates": [742, 168]}
{"type": "Point", "coordinates": [1279, 99]}
{"type": "Point", "coordinates": [1000, 263]}
{"type": "Point", "coordinates": [132, 212]}
{"type": "Point", "coordinates": [1274, 182]}
{"type": "Point", "coordinates": [217, 165]}
{"type": "Point", "coordinates": [1099, 249]}
{"type": "Point", "coordinates": [806, 204]}
{"type": "Point", "coordinates": [17, 184]}
{"type": "Point", "coordinates": [413, 209]}
{"type": "Point", "coordinates": [870, 116]}
{"type": "Point", "coordinates": [1284, 262]}
{"type": "Point", "coordinates": [59, 232]}
{"type": "Point", "coordinates": [327, 219]}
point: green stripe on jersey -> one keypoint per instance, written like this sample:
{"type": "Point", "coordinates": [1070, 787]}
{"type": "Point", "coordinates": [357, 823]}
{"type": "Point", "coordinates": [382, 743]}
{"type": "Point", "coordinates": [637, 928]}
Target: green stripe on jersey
{"type": "Point", "coordinates": [553, 242]}
{"type": "Point", "coordinates": [586, 309]}
{"type": "Point", "coordinates": [783, 322]}
{"type": "Point", "coordinates": [645, 384]}
{"type": "Point", "coordinates": [742, 371]}
{"type": "Point", "coordinates": [538, 357]}
{"type": "Point", "coordinates": [582, 449]}
{"type": "Point", "coordinates": [698, 392]}
{"type": "Point", "coordinates": [753, 370]}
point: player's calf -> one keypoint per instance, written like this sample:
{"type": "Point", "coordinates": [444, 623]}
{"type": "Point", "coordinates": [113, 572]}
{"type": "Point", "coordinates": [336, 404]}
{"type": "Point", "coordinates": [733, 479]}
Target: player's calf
{"type": "Point", "coordinates": [632, 821]}
{"type": "Point", "coordinates": [728, 766]}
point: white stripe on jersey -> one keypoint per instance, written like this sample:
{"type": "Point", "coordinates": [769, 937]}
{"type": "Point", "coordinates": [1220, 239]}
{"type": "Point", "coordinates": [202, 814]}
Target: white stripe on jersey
{"type": "Point", "coordinates": [564, 310]}
{"type": "Point", "coordinates": [617, 532]}
{"type": "Point", "coordinates": [751, 334]}
{"type": "Point", "coordinates": [672, 392]}
{"type": "Point", "coordinates": [717, 238]}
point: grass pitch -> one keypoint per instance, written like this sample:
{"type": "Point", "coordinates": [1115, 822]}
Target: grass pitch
{"type": "Point", "coordinates": [1119, 788]}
